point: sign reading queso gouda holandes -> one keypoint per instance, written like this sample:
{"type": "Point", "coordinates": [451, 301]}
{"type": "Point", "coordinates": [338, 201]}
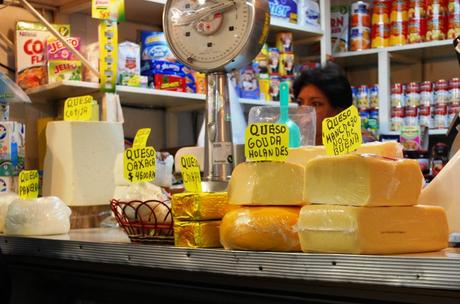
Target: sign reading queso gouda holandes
{"type": "Point", "coordinates": [266, 142]}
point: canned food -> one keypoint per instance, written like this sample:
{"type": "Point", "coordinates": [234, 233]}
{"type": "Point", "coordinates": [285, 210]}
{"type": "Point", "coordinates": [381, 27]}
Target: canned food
{"type": "Point", "coordinates": [373, 122]}
{"type": "Point", "coordinates": [453, 7]}
{"type": "Point", "coordinates": [354, 92]}
{"type": "Point", "coordinates": [364, 119]}
{"type": "Point", "coordinates": [399, 11]}
{"type": "Point", "coordinates": [360, 14]}
{"type": "Point", "coordinates": [453, 110]}
{"type": "Point", "coordinates": [440, 117]}
{"type": "Point", "coordinates": [436, 28]}
{"type": "Point", "coordinates": [411, 116]}
{"type": "Point", "coordinates": [436, 8]}
{"type": "Point", "coordinates": [363, 98]}
{"type": "Point", "coordinates": [397, 97]}
{"type": "Point", "coordinates": [397, 118]}
{"type": "Point", "coordinates": [441, 93]}
{"type": "Point", "coordinates": [454, 90]}
{"type": "Point", "coordinates": [453, 26]}
{"type": "Point", "coordinates": [374, 96]}
{"type": "Point", "coordinates": [360, 38]}
{"type": "Point", "coordinates": [416, 30]}
{"type": "Point", "coordinates": [426, 93]}
{"type": "Point", "coordinates": [413, 95]}
{"type": "Point", "coordinates": [381, 23]}
{"type": "Point", "coordinates": [425, 117]}
{"type": "Point", "coordinates": [417, 9]}
{"type": "Point", "coordinates": [399, 21]}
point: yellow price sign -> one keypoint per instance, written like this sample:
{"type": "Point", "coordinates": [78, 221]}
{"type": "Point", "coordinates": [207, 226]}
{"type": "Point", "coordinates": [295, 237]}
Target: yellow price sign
{"type": "Point", "coordinates": [142, 135]}
{"type": "Point", "coordinates": [342, 133]}
{"type": "Point", "coordinates": [191, 174]}
{"type": "Point", "coordinates": [28, 184]}
{"type": "Point", "coordinates": [139, 164]}
{"type": "Point", "coordinates": [79, 108]}
{"type": "Point", "coordinates": [266, 142]}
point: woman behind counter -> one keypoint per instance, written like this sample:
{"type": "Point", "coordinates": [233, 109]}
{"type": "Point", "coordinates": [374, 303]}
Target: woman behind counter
{"type": "Point", "coordinates": [327, 90]}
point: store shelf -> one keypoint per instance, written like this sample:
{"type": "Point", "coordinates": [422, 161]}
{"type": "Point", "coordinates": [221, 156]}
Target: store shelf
{"type": "Point", "coordinates": [399, 54]}
{"type": "Point", "coordinates": [299, 32]}
{"type": "Point", "coordinates": [435, 270]}
{"type": "Point", "coordinates": [152, 98]}
{"type": "Point", "coordinates": [62, 90]}
{"type": "Point", "coordinates": [255, 102]}
{"type": "Point", "coordinates": [431, 132]}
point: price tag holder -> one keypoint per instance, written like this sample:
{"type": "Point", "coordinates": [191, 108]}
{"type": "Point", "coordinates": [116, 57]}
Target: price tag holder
{"type": "Point", "coordinates": [28, 184]}
{"type": "Point", "coordinates": [142, 135]}
{"type": "Point", "coordinates": [108, 55]}
{"type": "Point", "coordinates": [342, 133]}
{"type": "Point", "coordinates": [79, 108]}
{"type": "Point", "coordinates": [139, 164]}
{"type": "Point", "coordinates": [191, 174]}
{"type": "Point", "coordinates": [266, 142]}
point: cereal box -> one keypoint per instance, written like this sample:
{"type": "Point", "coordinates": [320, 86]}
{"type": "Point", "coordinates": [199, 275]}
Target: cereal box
{"type": "Point", "coordinates": [60, 70]}
{"type": "Point", "coordinates": [339, 28]}
{"type": "Point", "coordinates": [31, 53]}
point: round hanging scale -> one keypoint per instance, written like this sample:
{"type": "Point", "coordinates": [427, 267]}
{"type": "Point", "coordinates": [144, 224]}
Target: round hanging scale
{"type": "Point", "coordinates": [215, 35]}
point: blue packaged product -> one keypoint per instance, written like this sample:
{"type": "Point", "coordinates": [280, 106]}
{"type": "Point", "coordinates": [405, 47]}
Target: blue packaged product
{"type": "Point", "coordinates": [364, 119]}
{"type": "Point", "coordinates": [151, 67]}
{"type": "Point", "coordinates": [248, 86]}
{"type": "Point", "coordinates": [284, 9]}
{"type": "Point", "coordinates": [154, 46]}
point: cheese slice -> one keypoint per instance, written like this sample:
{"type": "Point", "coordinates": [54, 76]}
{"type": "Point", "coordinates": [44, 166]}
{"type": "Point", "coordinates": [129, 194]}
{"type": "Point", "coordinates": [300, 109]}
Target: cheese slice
{"type": "Point", "coordinates": [79, 161]}
{"type": "Point", "coordinates": [444, 191]}
{"type": "Point", "coordinates": [202, 234]}
{"type": "Point", "coordinates": [372, 230]}
{"type": "Point", "coordinates": [199, 206]}
{"type": "Point", "coordinates": [302, 156]}
{"type": "Point", "coordinates": [261, 229]}
{"type": "Point", "coordinates": [362, 180]}
{"type": "Point", "coordinates": [267, 183]}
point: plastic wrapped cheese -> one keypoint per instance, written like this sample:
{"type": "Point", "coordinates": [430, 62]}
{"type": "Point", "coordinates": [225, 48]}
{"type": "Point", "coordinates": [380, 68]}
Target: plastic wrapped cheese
{"type": "Point", "coordinates": [5, 200]}
{"type": "Point", "coordinates": [261, 228]}
{"type": "Point", "coordinates": [302, 156]}
{"type": "Point", "coordinates": [42, 216]}
{"type": "Point", "coordinates": [267, 183]}
{"type": "Point", "coordinates": [147, 202]}
{"type": "Point", "coordinates": [197, 234]}
{"type": "Point", "coordinates": [362, 180]}
{"type": "Point", "coordinates": [372, 230]}
{"type": "Point", "coordinates": [199, 206]}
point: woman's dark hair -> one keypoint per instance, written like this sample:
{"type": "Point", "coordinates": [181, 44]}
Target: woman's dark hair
{"type": "Point", "coordinates": [331, 80]}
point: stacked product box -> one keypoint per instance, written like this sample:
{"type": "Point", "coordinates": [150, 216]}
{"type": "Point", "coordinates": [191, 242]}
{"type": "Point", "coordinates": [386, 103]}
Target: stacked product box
{"type": "Point", "coordinates": [301, 12]}
{"type": "Point", "coordinates": [31, 52]}
{"type": "Point", "coordinates": [366, 99]}
{"type": "Point", "coordinates": [430, 104]}
{"type": "Point", "coordinates": [163, 70]}
{"type": "Point", "coordinates": [262, 79]}
{"type": "Point", "coordinates": [62, 63]}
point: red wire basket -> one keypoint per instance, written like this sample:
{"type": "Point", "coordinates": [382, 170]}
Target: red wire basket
{"type": "Point", "coordinates": [145, 221]}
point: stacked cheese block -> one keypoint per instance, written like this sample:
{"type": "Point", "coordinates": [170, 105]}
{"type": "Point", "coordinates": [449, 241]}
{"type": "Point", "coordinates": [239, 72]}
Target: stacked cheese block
{"type": "Point", "coordinates": [197, 218]}
{"type": "Point", "coordinates": [361, 203]}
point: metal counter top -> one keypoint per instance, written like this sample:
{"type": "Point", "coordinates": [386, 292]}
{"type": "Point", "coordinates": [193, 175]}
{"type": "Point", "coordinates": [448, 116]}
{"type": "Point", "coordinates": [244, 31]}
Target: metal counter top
{"type": "Point", "coordinates": [437, 270]}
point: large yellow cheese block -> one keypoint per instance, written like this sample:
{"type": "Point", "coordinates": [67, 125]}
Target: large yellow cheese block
{"type": "Point", "coordinates": [444, 191]}
{"type": "Point", "coordinates": [267, 183]}
{"type": "Point", "coordinates": [203, 234]}
{"type": "Point", "coordinates": [302, 156]}
{"type": "Point", "coordinates": [372, 230]}
{"type": "Point", "coordinates": [199, 206]}
{"type": "Point", "coordinates": [362, 180]}
{"type": "Point", "coordinates": [261, 228]}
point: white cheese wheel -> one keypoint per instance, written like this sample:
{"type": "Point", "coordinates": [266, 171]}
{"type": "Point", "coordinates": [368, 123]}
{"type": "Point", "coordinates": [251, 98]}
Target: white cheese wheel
{"type": "Point", "coordinates": [5, 201]}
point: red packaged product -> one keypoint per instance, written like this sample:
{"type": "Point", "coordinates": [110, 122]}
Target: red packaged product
{"type": "Point", "coordinates": [417, 9]}
{"type": "Point", "coordinates": [453, 26]}
{"type": "Point", "coordinates": [170, 83]}
{"type": "Point", "coordinates": [453, 7]}
{"type": "Point", "coordinates": [381, 14]}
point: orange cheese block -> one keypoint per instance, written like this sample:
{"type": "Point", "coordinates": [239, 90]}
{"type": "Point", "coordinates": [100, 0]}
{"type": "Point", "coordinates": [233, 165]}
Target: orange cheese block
{"type": "Point", "coordinates": [362, 180]}
{"type": "Point", "coordinates": [261, 229]}
{"type": "Point", "coordinates": [372, 230]}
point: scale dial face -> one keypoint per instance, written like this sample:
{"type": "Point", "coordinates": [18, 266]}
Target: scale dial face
{"type": "Point", "coordinates": [208, 34]}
